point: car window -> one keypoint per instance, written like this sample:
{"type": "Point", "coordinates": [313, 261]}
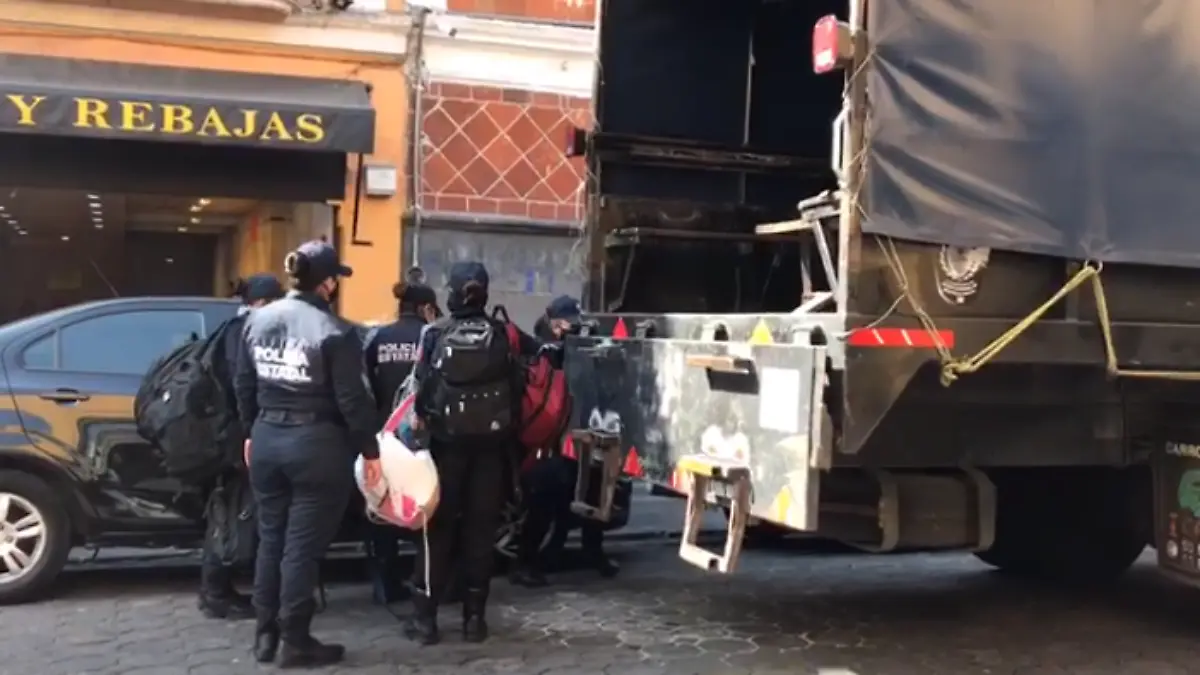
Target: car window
{"type": "Point", "coordinates": [40, 354]}
{"type": "Point", "coordinates": [126, 343]}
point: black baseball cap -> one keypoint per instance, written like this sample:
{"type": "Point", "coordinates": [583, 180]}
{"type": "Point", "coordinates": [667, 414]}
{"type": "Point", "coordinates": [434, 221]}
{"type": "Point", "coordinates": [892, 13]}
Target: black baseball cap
{"type": "Point", "coordinates": [463, 273]}
{"type": "Point", "coordinates": [323, 260]}
{"type": "Point", "coordinates": [564, 307]}
{"type": "Point", "coordinates": [262, 287]}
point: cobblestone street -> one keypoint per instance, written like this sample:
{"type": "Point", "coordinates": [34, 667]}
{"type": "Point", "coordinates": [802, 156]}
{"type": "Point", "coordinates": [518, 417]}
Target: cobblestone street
{"type": "Point", "coordinates": [784, 613]}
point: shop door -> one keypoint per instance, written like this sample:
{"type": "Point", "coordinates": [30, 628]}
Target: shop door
{"type": "Point", "coordinates": [165, 263]}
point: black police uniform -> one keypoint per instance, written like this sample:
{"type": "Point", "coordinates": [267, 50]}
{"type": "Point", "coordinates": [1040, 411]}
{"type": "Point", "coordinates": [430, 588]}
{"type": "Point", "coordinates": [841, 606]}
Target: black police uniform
{"type": "Point", "coordinates": [474, 482]}
{"type": "Point", "coordinates": [548, 487]}
{"type": "Point", "coordinates": [218, 597]}
{"type": "Point", "coordinates": [300, 385]}
{"type": "Point", "coordinates": [391, 354]}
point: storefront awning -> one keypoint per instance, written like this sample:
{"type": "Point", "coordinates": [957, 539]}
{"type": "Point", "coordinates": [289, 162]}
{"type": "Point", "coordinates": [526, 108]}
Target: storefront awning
{"type": "Point", "coordinates": [100, 99]}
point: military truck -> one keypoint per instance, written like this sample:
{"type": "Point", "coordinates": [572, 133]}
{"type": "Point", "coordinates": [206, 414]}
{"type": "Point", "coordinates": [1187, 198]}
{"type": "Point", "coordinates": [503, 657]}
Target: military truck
{"type": "Point", "coordinates": [908, 275]}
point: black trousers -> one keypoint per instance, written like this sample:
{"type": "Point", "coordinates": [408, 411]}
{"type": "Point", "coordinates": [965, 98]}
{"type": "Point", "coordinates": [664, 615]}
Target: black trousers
{"type": "Point", "coordinates": [462, 533]}
{"type": "Point", "coordinates": [302, 476]}
{"type": "Point", "coordinates": [549, 488]}
{"type": "Point", "coordinates": [384, 563]}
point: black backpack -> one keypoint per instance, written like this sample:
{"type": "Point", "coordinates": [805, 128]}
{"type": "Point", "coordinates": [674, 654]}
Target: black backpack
{"type": "Point", "coordinates": [473, 376]}
{"type": "Point", "coordinates": [232, 528]}
{"type": "Point", "coordinates": [185, 408]}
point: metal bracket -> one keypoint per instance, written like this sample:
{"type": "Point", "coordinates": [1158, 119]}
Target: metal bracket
{"type": "Point", "coordinates": [705, 471]}
{"type": "Point", "coordinates": [596, 448]}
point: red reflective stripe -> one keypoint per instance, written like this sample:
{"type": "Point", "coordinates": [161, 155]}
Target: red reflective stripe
{"type": "Point", "coordinates": [568, 448]}
{"type": "Point", "coordinates": [915, 338]}
{"type": "Point", "coordinates": [633, 465]}
{"type": "Point", "coordinates": [620, 331]}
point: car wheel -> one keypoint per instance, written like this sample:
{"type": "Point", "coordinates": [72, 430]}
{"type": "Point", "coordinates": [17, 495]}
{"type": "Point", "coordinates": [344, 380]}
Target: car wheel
{"type": "Point", "coordinates": [508, 535]}
{"type": "Point", "coordinates": [35, 537]}
{"type": "Point", "coordinates": [555, 540]}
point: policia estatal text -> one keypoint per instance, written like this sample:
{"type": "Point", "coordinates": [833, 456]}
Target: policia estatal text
{"type": "Point", "coordinates": [300, 389]}
{"type": "Point", "coordinates": [391, 350]}
{"type": "Point", "coordinates": [467, 401]}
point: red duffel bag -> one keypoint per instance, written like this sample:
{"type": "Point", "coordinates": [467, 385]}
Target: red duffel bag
{"type": "Point", "coordinates": [545, 401]}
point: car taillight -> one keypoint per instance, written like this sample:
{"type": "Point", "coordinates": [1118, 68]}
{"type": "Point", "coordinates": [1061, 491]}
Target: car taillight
{"type": "Point", "coordinates": [832, 45]}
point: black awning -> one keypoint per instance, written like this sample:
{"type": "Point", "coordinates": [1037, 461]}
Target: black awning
{"type": "Point", "coordinates": [70, 97]}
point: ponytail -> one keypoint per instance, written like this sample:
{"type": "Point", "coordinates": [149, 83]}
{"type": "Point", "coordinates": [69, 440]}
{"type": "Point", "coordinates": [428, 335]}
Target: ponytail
{"type": "Point", "coordinates": [298, 269]}
{"type": "Point", "coordinates": [474, 294]}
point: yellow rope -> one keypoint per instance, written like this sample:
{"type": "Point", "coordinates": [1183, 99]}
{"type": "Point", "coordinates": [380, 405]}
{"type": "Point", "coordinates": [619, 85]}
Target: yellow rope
{"type": "Point", "coordinates": [953, 367]}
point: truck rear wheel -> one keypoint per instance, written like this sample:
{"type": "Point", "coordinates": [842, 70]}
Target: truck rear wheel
{"type": "Point", "coordinates": [1070, 525]}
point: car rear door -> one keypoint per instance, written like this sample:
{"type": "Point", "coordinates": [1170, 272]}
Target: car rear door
{"type": "Point", "coordinates": [74, 383]}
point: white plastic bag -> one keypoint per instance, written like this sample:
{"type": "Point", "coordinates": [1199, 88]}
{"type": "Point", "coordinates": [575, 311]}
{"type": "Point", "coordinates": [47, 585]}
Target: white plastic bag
{"type": "Point", "coordinates": [409, 493]}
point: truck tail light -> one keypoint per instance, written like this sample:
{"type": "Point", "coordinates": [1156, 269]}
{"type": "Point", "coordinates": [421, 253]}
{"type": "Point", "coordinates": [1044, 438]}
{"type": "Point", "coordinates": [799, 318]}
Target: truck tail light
{"type": "Point", "coordinates": [576, 142]}
{"type": "Point", "coordinates": [832, 45]}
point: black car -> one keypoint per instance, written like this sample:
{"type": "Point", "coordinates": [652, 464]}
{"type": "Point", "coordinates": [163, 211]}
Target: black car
{"type": "Point", "coordinates": [73, 469]}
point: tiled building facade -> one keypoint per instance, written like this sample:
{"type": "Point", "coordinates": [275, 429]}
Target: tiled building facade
{"type": "Point", "coordinates": [498, 148]}
{"type": "Point", "coordinates": [495, 183]}
{"type": "Point", "coordinates": [501, 151]}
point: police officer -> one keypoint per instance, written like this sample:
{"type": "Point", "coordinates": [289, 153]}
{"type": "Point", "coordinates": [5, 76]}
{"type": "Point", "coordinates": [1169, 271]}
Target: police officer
{"type": "Point", "coordinates": [392, 349]}
{"type": "Point", "coordinates": [548, 485]}
{"type": "Point", "coordinates": [391, 353]}
{"type": "Point", "coordinates": [218, 597]}
{"type": "Point", "coordinates": [474, 478]}
{"type": "Point", "coordinates": [300, 390]}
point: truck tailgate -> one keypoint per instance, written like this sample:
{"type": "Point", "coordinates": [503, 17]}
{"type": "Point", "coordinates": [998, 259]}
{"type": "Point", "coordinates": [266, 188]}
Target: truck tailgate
{"type": "Point", "coordinates": [754, 405]}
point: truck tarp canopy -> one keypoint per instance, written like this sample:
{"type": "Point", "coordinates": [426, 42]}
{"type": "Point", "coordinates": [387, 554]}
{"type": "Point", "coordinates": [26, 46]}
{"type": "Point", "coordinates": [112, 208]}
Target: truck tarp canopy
{"type": "Point", "coordinates": [1065, 128]}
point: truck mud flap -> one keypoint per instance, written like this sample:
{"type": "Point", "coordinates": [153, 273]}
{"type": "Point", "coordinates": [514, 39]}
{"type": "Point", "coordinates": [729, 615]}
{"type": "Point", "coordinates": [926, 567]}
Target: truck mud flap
{"type": "Point", "coordinates": [1176, 468]}
{"type": "Point", "coordinates": [757, 407]}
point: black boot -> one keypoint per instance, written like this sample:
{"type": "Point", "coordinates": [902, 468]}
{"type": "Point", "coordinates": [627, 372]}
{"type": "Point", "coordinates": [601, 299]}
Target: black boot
{"type": "Point", "coordinates": [422, 626]}
{"type": "Point", "coordinates": [474, 626]}
{"type": "Point", "coordinates": [233, 607]}
{"type": "Point", "coordinates": [301, 649]}
{"type": "Point", "coordinates": [266, 637]}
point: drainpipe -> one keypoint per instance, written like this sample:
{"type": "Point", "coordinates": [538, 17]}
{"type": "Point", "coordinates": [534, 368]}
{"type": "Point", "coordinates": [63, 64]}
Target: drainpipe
{"type": "Point", "coordinates": [416, 74]}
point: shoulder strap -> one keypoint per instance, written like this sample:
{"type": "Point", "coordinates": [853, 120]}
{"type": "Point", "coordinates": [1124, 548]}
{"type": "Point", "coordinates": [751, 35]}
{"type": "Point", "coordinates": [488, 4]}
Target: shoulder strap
{"type": "Point", "coordinates": [500, 315]}
{"type": "Point", "coordinates": [514, 338]}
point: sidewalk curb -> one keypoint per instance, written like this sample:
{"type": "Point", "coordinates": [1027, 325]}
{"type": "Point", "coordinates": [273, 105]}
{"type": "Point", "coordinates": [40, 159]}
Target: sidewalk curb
{"type": "Point", "coordinates": [649, 535]}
